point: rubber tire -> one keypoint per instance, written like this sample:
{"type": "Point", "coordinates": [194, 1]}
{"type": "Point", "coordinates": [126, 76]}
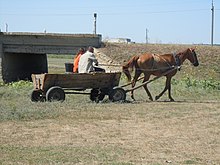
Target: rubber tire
{"type": "Point", "coordinates": [96, 96]}
{"type": "Point", "coordinates": [117, 94]}
{"type": "Point", "coordinates": [55, 93]}
{"type": "Point", "coordinates": [37, 95]}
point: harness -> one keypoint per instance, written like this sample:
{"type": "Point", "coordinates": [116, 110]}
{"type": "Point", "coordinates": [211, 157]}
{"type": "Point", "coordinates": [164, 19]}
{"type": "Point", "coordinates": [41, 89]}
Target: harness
{"type": "Point", "coordinates": [156, 59]}
{"type": "Point", "coordinates": [177, 61]}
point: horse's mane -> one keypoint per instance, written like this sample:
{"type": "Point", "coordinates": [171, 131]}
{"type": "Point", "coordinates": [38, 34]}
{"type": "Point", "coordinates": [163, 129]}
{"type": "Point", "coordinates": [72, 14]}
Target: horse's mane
{"type": "Point", "coordinates": [131, 63]}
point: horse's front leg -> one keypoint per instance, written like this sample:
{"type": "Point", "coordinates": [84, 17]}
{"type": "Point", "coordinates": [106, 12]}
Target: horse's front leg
{"type": "Point", "coordinates": [167, 87]}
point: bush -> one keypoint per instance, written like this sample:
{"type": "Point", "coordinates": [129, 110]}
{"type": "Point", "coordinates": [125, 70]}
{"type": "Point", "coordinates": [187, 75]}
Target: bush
{"type": "Point", "coordinates": [20, 84]}
{"type": "Point", "coordinates": [204, 84]}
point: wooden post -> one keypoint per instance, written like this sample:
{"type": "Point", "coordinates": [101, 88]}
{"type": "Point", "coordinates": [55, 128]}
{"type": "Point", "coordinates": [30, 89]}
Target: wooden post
{"type": "Point", "coordinates": [95, 17]}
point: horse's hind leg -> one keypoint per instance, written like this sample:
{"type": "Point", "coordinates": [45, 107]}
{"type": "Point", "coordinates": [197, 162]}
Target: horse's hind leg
{"type": "Point", "coordinates": [146, 78]}
{"type": "Point", "coordinates": [169, 91]}
{"type": "Point", "coordinates": [137, 74]}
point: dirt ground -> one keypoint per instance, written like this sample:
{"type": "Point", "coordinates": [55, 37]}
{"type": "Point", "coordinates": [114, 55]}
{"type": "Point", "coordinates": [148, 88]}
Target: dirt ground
{"type": "Point", "coordinates": [133, 133]}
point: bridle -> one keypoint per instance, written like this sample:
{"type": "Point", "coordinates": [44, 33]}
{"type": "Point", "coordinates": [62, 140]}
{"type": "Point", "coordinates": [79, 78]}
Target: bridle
{"type": "Point", "coordinates": [177, 61]}
{"type": "Point", "coordinates": [194, 56]}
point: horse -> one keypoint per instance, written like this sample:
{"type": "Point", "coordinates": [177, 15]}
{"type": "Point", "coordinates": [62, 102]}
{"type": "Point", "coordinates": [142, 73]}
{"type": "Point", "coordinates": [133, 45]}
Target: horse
{"type": "Point", "coordinates": [157, 65]}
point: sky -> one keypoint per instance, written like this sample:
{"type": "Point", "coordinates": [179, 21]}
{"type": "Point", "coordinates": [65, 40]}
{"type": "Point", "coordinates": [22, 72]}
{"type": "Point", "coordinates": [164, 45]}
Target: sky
{"type": "Point", "coordinates": [164, 21]}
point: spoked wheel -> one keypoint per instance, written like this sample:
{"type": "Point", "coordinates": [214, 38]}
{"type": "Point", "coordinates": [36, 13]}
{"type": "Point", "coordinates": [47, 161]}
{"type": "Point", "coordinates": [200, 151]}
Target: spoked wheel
{"type": "Point", "coordinates": [37, 95]}
{"type": "Point", "coordinates": [117, 94]}
{"type": "Point", "coordinates": [97, 95]}
{"type": "Point", "coordinates": [55, 94]}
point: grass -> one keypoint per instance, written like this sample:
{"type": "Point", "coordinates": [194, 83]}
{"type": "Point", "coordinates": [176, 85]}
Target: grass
{"type": "Point", "coordinates": [16, 105]}
{"type": "Point", "coordinates": [66, 154]}
{"type": "Point", "coordinates": [79, 131]}
{"type": "Point", "coordinates": [109, 133]}
{"type": "Point", "coordinates": [141, 132]}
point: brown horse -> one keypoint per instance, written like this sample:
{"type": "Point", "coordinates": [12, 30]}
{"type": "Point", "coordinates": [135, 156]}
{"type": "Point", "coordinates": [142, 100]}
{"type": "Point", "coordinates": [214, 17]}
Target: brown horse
{"type": "Point", "coordinates": [157, 65]}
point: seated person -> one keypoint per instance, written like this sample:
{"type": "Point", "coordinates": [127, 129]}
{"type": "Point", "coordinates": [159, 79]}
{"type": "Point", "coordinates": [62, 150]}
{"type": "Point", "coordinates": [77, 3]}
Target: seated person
{"type": "Point", "coordinates": [76, 60]}
{"type": "Point", "coordinates": [88, 61]}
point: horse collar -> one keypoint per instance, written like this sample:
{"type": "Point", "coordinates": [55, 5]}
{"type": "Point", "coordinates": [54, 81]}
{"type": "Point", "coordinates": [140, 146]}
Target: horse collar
{"type": "Point", "coordinates": [177, 61]}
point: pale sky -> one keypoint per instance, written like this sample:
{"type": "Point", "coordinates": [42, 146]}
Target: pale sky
{"type": "Point", "coordinates": [167, 21]}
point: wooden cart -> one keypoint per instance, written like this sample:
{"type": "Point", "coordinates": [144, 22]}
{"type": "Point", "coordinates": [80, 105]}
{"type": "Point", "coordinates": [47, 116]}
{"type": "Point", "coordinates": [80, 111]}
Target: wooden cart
{"type": "Point", "coordinates": [48, 87]}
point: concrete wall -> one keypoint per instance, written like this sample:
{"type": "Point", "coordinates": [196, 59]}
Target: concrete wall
{"type": "Point", "coordinates": [25, 53]}
{"type": "Point", "coordinates": [47, 43]}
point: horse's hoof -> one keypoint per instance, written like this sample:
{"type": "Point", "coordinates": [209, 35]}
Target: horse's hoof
{"type": "Point", "coordinates": [133, 98]}
{"type": "Point", "coordinates": [157, 97]}
{"type": "Point", "coordinates": [172, 100]}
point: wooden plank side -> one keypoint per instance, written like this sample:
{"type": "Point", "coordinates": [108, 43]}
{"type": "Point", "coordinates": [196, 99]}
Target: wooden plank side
{"type": "Point", "coordinates": [38, 80]}
{"type": "Point", "coordinates": [87, 81]}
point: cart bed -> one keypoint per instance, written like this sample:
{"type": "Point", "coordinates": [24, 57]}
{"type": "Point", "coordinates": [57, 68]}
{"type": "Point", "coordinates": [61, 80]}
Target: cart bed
{"type": "Point", "coordinates": [76, 81]}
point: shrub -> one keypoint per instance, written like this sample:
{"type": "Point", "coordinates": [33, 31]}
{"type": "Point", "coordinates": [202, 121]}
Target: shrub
{"type": "Point", "coordinates": [204, 84]}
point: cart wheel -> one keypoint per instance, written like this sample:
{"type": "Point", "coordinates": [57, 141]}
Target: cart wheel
{"type": "Point", "coordinates": [117, 94]}
{"type": "Point", "coordinates": [101, 96]}
{"type": "Point", "coordinates": [37, 95]}
{"type": "Point", "coordinates": [55, 94]}
{"type": "Point", "coordinates": [96, 95]}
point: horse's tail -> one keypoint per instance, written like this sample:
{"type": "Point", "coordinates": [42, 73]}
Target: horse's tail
{"type": "Point", "coordinates": [130, 64]}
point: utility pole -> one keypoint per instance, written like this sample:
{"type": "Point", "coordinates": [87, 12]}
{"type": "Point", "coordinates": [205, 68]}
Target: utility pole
{"type": "Point", "coordinates": [212, 30]}
{"type": "Point", "coordinates": [146, 36]}
{"type": "Point", "coordinates": [6, 28]}
{"type": "Point", "coordinates": [95, 17]}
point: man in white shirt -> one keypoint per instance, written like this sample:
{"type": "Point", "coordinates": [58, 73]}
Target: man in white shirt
{"type": "Point", "coordinates": [87, 61]}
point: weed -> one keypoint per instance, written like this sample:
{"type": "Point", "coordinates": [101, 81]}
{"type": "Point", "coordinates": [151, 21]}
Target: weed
{"type": "Point", "coordinates": [189, 82]}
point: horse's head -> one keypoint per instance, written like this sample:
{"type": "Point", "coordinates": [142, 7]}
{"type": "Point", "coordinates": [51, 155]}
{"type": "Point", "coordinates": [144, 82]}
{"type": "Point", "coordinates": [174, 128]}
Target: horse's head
{"type": "Point", "coordinates": [126, 72]}
{"type": "Point", "coordinates": [192, 57]}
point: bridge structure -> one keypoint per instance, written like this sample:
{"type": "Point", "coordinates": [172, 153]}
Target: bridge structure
{"type": "Point", "coordinates": [23, 54]}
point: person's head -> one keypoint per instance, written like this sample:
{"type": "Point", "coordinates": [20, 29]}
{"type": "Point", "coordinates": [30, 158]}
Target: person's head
{"type": "Point", "coordinates": [91, 49]}
{"type": "Point", "coordinates": [81, 50]}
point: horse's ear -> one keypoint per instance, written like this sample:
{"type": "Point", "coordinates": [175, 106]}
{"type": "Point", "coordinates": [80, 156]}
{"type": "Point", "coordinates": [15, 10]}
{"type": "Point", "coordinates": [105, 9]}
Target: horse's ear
{"type": "Point", "coordinates": [193, 49]}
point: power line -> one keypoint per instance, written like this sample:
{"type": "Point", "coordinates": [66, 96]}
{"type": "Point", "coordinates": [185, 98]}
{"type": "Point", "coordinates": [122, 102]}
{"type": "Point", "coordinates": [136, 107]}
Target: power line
{"type": "Point", "coordinates": [118, 5]}
{"type": "Point", "coordinates": [119, 13]}
{"type": "Point", "coordinates": [41, 14]}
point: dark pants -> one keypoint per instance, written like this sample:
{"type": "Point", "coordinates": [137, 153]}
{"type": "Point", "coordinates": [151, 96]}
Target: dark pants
{"type": "Point", "coordinates": [97, 69]}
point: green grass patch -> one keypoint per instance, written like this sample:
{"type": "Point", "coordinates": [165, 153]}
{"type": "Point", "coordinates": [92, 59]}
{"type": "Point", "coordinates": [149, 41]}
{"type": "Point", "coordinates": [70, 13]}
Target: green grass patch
{"type": "Point", "coordinates": [16, 103]}
{"type": "Point", "coordinates": [60, 56]}
{"type": "Point", "coordinates": [62, 155]}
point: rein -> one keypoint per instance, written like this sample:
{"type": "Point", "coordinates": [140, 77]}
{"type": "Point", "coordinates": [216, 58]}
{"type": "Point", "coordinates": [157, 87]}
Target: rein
{"type": "Point", "coordinates": [194, 57]}
{"type": "Point", "coordinates": [160, 69]}
{"type": "Point", "coordinates": [115, 65]}
{"type": "Point", "coordinates": [164, 68]}
{"type": "Point", "coordinates": [176, 66]}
